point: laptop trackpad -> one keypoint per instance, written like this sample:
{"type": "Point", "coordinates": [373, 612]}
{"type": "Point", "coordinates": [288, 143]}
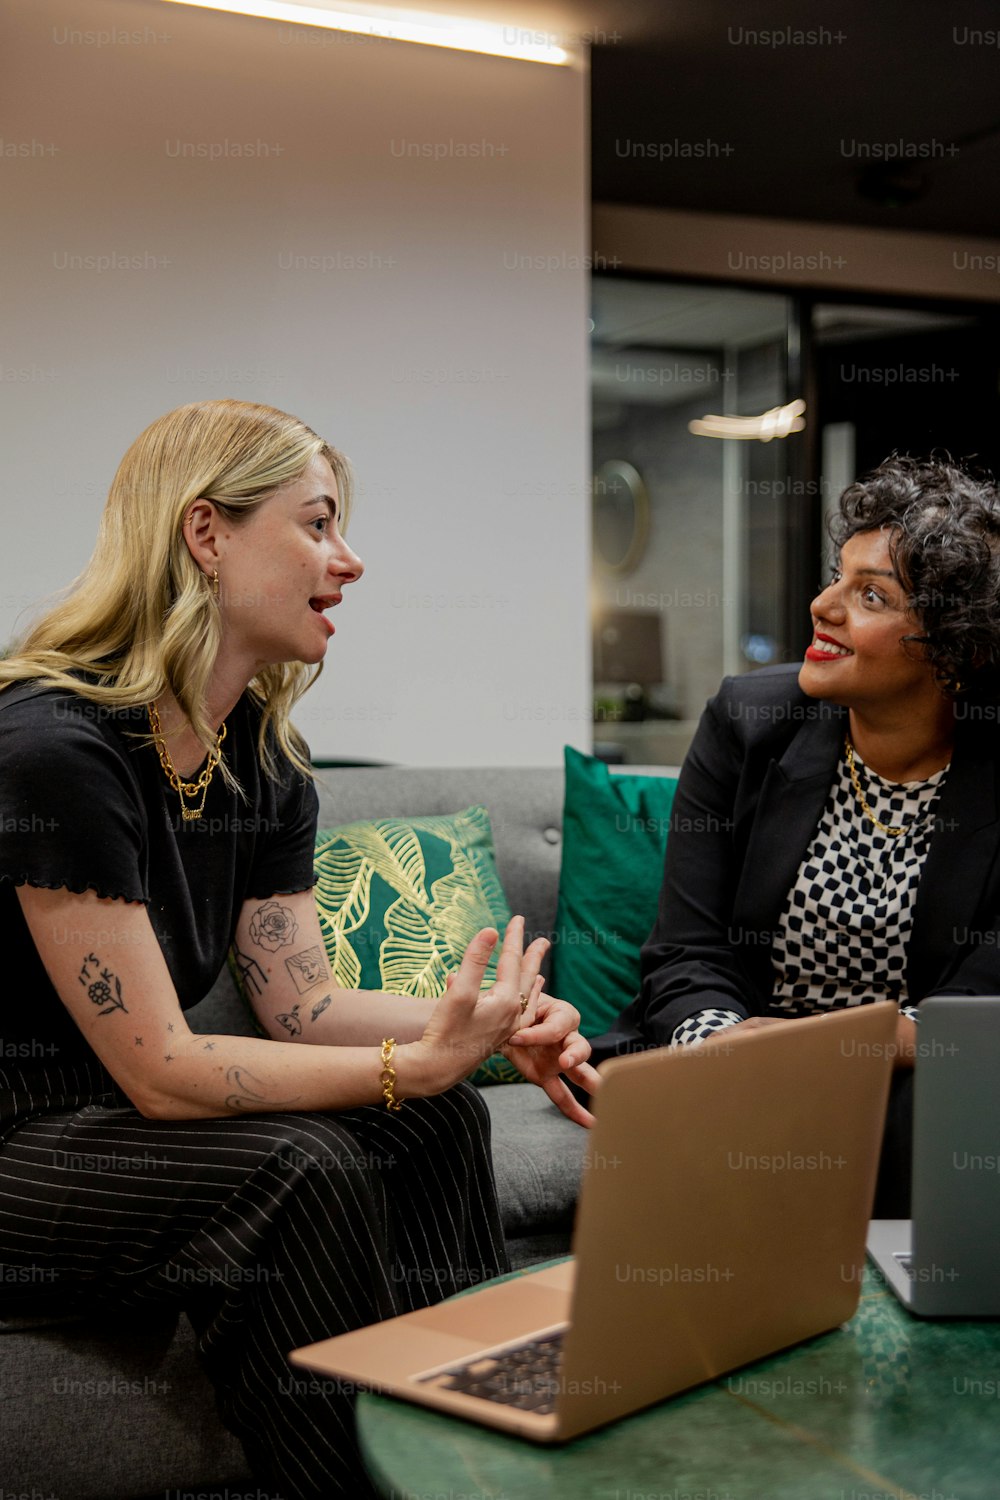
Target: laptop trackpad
{"type": "Point", "coordinates": [496, 1314]}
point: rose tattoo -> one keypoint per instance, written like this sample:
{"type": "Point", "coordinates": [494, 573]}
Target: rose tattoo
{"type": "Point", "coordinates": [272, 926]}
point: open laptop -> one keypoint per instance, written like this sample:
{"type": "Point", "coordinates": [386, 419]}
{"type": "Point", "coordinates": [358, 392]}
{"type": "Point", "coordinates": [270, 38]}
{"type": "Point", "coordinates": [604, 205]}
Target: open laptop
{"type": "Point", "coordinates": [944, 1260]}
{"type": "Point", "coordinates": [722, 1215]}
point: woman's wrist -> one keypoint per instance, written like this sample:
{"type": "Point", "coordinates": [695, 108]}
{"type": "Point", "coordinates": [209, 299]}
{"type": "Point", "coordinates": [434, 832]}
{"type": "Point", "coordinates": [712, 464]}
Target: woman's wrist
{"type": "Point", "coordinates": [418, 1071]}
{"type": "Point", "coordinates": [697, 1028]}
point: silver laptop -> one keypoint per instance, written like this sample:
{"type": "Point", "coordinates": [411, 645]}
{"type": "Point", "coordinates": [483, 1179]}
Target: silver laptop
{"type": "Point", "coordinates": [725, 1197]}
{"type": "Point", "coordinates": [945, 1260]}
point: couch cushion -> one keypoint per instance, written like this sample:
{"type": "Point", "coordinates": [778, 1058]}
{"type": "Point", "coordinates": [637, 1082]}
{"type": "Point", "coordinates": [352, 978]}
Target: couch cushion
{"type": "Point", "coordinates": [538, 1158]}
{"type": "Point", "coordinates": [110, 1409]}
{"type": "Point", "coordinates": [524, 804]}
{"type": "Point", "coordinates": [400, 899]}
{"type": "Point", "coordinates": [614, 837]}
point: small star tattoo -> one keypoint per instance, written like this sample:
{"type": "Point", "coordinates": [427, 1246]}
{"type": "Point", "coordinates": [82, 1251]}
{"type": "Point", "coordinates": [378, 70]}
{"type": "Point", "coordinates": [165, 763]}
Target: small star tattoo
{"type": "Point", "coordinates": [208, 1047]}
{"type": "Point", "coordinates": [138, 1041]}
{"type": "Point", "coordinates": [168, 1058]}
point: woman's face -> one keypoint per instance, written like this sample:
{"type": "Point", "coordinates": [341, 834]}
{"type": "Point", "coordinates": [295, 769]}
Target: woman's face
{"type": "Point", "coordinates": [858, 656]}
{"type": "Point", "coordinates": [281, 569]}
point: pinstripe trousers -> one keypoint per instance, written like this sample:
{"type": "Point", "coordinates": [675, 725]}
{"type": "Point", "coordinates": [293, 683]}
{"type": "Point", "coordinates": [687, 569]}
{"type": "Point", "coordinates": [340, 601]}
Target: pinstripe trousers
{"type": "Point", "coordinates": [269, 1231]}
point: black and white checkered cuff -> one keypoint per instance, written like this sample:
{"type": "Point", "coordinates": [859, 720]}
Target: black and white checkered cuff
{"type": "Point", "coordinates": [910, 1012]}
{"type": "Point", "coordinates": [702, 1025]}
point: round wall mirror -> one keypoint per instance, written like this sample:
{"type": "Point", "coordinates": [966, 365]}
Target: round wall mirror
{"type": "Point", "coordinates": [620, 517]}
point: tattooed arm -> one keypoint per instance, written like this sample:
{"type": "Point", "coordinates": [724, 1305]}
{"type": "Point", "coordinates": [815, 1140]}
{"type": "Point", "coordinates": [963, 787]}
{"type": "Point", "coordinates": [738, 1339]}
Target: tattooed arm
{"type": "Point", "coordinates": [282, 958]}
{"type": "Point", "coordinates": [286, 975]}
{"type": "Point", "coordinates": [121, 996]}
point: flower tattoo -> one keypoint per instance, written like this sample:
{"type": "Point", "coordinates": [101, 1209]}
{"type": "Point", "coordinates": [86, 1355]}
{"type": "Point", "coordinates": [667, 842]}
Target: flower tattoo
{"type": "Point", "coordinates": [272, 926]}
{"type": "Point", "coordinates": [99, 989]}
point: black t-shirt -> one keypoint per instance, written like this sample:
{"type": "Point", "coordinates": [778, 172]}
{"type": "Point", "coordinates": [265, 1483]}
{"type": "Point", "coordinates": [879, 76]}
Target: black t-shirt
{"type": "Point", "coordinates": [85, 805]}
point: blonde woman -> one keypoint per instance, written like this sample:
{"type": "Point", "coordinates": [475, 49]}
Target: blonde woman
{"type": "Point", "coordinates": [157, 806]}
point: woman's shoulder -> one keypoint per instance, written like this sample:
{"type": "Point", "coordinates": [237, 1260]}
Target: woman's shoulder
{"type": "Point", "coordinates": [53, 725]}
{"type": "Point", "coordinates": [780, 681]}
{"type": "Point", "coordinates": [37, 701]}
{"type": "Point", "coordinates": [72, 810]}
{"type": "Point", "coordinates": [777, 685]}
{"type": "Point", "coordinates": [34, 701]}
{"type": "Point", "coordinates": [768, 704]}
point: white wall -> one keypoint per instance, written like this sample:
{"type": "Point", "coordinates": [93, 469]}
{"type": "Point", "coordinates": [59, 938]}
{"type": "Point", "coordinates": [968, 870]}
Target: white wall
{"type": "Point", "coordinates": [385, 297]}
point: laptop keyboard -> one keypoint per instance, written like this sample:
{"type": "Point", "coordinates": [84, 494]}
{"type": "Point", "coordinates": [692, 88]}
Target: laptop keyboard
{"type": "Point", "coordinates": [526, 1376]}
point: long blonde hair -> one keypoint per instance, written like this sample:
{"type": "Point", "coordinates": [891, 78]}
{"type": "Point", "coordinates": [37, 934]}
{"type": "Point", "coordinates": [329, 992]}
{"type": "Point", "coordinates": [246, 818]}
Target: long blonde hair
{"type": "Point", "coordinates": [141, 617]}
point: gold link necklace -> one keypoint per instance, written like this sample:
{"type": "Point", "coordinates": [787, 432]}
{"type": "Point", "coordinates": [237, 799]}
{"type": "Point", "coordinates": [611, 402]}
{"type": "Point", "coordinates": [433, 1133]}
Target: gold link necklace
{"type": "Point", "coordinates": [185, 788]}
{"type": "Point", "coordinates": [856, 783]}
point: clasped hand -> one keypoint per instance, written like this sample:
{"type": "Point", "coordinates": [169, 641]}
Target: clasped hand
{"type": "Point", "coordinates": [536, 1032]}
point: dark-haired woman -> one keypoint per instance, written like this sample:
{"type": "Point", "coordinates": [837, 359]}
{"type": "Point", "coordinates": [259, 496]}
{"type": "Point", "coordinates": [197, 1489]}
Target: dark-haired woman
{"type": "Point", "coordinates": [835, 836]}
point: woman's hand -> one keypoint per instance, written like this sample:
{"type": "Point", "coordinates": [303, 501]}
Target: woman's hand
{"type": "Point", "coordinates": [904, 1050]}
{"type": "Point", "coordinates": [550, 1044]}
{"type": "Point", "coordinates": [751, 1023]}
{"type": "Point", "coordinates": [467, 1024]}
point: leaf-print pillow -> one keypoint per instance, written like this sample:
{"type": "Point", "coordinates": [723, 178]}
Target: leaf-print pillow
{"type": "Point", "coordinates": [399, 900]}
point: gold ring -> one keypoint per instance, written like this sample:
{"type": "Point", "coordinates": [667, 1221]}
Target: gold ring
{"type": "Point", "coordinates": [524, 1002]}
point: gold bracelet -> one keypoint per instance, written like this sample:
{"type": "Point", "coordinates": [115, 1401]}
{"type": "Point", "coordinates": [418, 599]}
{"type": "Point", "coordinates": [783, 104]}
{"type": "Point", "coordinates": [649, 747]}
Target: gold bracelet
{"type": "Point", "coordinates": [388, 1078]}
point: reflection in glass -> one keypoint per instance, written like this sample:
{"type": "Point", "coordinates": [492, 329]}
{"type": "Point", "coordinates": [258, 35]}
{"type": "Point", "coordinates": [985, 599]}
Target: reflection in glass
{"type": "Point", "coordinates": [705, 578]}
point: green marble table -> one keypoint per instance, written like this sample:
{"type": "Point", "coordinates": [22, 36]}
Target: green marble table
{"type": "Point", "coordinates": [889, 1407]}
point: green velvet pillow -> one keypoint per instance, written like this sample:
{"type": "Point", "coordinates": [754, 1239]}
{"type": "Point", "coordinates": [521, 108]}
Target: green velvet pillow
{"type": "Point", "coordinates": [399, 900]}
{"type": "Point", "coordinates": [614, 838]}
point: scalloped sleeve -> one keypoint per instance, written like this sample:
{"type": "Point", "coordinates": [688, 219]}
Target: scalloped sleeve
{"type": "Point", "coordinates": [71, 812]}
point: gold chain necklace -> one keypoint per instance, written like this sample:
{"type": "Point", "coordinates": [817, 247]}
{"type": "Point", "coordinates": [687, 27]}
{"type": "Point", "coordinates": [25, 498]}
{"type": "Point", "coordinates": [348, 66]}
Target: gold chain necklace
{"type": "Point", "coordinates": [185, 788]}
{"type": "Point", "coordinates": [856, 783]}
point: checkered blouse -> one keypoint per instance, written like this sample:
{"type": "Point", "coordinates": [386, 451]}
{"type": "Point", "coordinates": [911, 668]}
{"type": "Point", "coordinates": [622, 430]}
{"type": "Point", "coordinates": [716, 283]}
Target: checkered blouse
{"type": "Point", "coordinates": [842, 935]}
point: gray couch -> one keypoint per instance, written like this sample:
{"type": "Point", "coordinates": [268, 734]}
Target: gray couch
{"type": "Point", "coordinates": [101, 1412]}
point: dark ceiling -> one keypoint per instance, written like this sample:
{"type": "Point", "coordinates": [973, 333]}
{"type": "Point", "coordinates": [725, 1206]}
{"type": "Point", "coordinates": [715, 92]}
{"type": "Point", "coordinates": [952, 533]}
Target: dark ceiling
{"type": "Point", "coordinates": [887, 116]}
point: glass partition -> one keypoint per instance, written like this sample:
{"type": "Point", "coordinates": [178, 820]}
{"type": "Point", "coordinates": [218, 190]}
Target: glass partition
{"type": "Point", "coordinates": [689, 575]}
{"type": "Point", "coordinates": [708, 545]}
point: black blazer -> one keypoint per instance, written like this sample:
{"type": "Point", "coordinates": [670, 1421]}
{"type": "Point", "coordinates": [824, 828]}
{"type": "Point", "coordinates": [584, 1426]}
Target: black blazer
{"type": "Point", "coordinates": [750, 795]}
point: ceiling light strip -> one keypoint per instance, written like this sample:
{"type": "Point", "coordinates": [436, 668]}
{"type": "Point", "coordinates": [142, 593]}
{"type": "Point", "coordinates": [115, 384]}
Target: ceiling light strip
{"type": "Point", "coordinates": [402, 26]}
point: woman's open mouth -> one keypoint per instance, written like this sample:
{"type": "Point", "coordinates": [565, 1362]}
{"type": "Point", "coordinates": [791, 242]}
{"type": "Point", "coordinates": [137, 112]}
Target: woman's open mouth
{"type": "Point", "coordinates": [320, 604]}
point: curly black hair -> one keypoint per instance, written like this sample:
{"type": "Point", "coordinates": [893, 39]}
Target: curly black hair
{"type": "Point", "coordinates": [943, 528]}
